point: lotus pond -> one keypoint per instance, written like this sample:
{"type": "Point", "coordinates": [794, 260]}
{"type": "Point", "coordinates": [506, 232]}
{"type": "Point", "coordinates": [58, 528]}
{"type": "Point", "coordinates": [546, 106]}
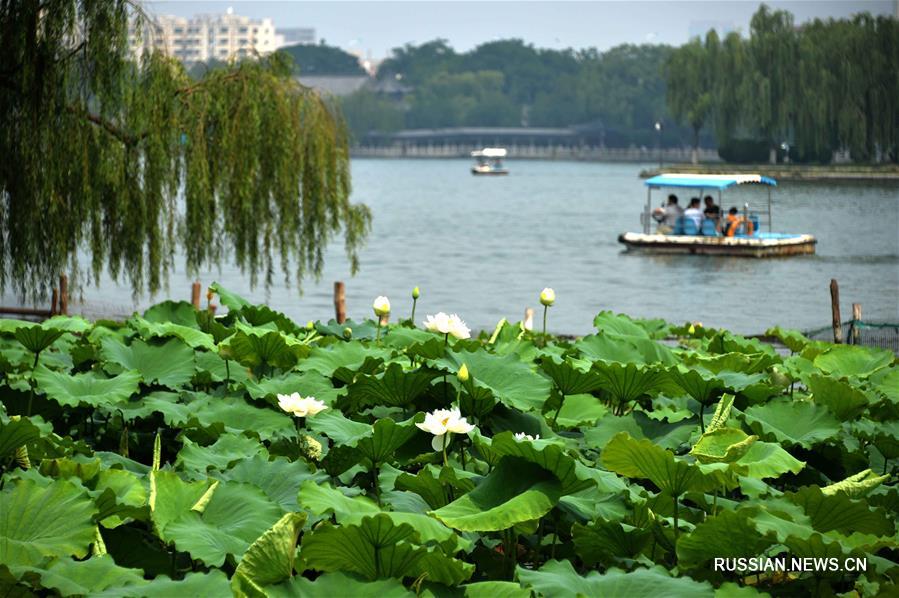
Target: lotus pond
{"type": "Point", "coordinates": [154, 457]}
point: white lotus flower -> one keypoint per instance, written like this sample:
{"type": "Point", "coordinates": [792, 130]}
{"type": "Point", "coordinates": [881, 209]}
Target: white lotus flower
{"type": "Point", "coordinates": [547, 296]}
{"type": "Point", "coordinates": [444, 422]}
{"type": "Point", "coordinates": [519, 436]}
{"type": "Point", "coordinates": [300, 406]}
{"type": "Point", "coordinates": [381, 306]}
{"type": "Point", "coordinates": [458, 328]}
{"type": "Point", "coordinates": [439, 323]}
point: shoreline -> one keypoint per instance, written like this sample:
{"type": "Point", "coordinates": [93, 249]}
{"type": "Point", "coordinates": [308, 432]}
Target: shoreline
{"type": "Point", "coordinates": [886, 173]}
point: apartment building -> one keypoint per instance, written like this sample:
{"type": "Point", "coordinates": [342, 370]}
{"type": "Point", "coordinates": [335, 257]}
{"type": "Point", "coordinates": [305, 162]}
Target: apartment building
{"type": "Point", "coordinates": [206, 37]}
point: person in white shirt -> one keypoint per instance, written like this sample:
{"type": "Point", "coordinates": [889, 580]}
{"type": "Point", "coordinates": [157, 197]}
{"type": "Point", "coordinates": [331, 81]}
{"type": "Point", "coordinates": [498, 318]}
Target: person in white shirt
{"type": "Point", "coordinates": [667, 216]}
{"type": "Point", "coordinates": [694, 213]}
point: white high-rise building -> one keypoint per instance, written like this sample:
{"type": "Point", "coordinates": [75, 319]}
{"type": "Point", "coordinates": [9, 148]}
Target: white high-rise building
{"type": "Point", "coordinates": [206, 37]}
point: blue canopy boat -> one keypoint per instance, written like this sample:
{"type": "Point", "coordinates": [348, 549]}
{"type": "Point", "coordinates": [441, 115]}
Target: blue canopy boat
{"type": "Point", "coordinates": [747, 238]}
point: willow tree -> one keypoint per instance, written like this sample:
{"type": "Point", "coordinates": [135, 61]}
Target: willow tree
{"type": "Point", "coordinates": [126, 163]}
{"type": "Point", "coordinates": [691, 87]}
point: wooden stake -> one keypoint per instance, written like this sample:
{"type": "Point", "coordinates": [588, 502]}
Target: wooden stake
{"type": "Point", "coordinates": [195, 294]}
{"type": "Point", "coordinates": [835, 311]}
{"type": "Point", "coordinates": [856, 317]}
{"type": "Point", "coordinates": [529, 318]}
{"type": "Point", "coordinates": [63, 294]}
{"type": "Point", "coordinates": [340, 302]}
{"type": "Point", "coordinates": [54, 302]}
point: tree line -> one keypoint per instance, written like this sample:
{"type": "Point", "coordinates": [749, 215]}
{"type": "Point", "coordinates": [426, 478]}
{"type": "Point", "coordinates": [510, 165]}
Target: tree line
{"type": "Point", "coordinates": [803, 91]}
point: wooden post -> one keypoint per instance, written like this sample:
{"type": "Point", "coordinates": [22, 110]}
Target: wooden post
{"type": "Point", "coordinates": [54, 302]}
{"type": "Point", "coordinates": [64, 294]}
{"type": "Point", "coordinates": [856, 317]}
{"type": "Point", "coordinates": [340, 302]}
{"type": "Point", "coordinates": [835, 311]}
{"type": "Point", "coordinates": [195, 294]}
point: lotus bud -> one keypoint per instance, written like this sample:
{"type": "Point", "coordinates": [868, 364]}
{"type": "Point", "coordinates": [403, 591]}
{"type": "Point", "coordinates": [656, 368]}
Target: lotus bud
{"type": "Point", "coordinates": [547, 297]}
{"type": "Point", "coordinates": [347, 333]}
{"type": "Point", "coordinates": [209, 294]}
{"type": "Point", "coordinates": [463, 373]}
{"type": "Point", "coordinates": [691, 330]}
{"type": "Point", "coordinates": [416, 293]}
{"type": "Point", "coordinates": [381, 306]}
{"type": "Point", "coordinates": [310, 325]}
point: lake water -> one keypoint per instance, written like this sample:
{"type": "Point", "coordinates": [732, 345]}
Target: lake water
{"type": "Point", "coordinates": [484, 247]}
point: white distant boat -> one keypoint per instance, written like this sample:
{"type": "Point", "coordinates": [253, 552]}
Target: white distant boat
{"type": "Point", "coordinates": [489, 161]}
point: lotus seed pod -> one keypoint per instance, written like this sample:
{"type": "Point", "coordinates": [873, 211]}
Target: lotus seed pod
{"type": "Point", "coordinates": [463, 373]}
{"type": "Point", "coordinates": [347, 333]}
{"type": "Point", "coordinates": [416, 293]}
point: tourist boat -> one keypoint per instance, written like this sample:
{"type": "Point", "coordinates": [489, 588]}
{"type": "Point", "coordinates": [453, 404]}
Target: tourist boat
{"type": "Point", "coordinates": [489, 161]}
{"type": "Point", "coordinates": [749, 240]}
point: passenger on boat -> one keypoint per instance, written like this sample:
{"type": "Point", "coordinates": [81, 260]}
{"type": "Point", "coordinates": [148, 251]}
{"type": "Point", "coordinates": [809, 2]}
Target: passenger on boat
{"type": "Point", "coordinates": [694, 213]}
{"type": "Point", "coordinates": [711, 211]}
{"type": "Point", "coordinates": [667, 216]}
{"type": "Point", "coordinates": [735, 222]}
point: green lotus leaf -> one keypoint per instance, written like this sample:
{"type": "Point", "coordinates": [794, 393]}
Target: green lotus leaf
{"type": "Point", "coordinates": [494, 589]}
{"type": "Point", "coordinates": [886, 383]}
{"type": "Point", "coordinates": [224, 452]}
{"type": "Point", "coordinates": [237, 416]}
{"type": "Point", "coordinates": [619, 324]}
{"type": "Point", "coordinates": [549, 455]}
{"type": "Point", "coordinates": [86, 389]}
{"type": "Point", "coordinates": [377, 548]}
{"type": "Point", "coordinates": [512, 382]}
{"type": "Point", "coordinates": [642, 459]}
{"type": "Point", "coordinates": [794, 340]}
{"type": "Point", "coordinates": [604, 541]}
{"type": "Point", "coordinates": [232, 301]}
{"type": "Point", "coordinates": [118, 494]}
{"type": "Point", "coordinates": [365, 330]}
{"type": "Point", "coordinates": [767, 460]}
{"type": "Point", "coordinates": [639, 425]}
{"type": "Point", "coordinates": [722, 413]}
{"type": "Point", "coordinates": [400, 337]}
{"type": "Point", "coordinates": [853, 360]}
{"type": "Point", "coordinates": [722, 445]}
{"type": "Point", "coordinates": [213, 583]}
{"type": "Point", "coordinates": [335, 584]}
{"type": "Point", "coordinates": [559, 579]}
{"type": "Point", "coordinates": [321, 498]}
{"type": "Point", "coordinates": [843, 400]}
{"type": "Point", "coordinates": [278, 478]}
{"type": "Point", "coordinates": [883, 435]}
{"type": "Point", "coordinates": [727, 534]}
{"type": "Point", "coordinates": [514, 492]}
{"type": "Point", "coordinates": [838, 512]}
{"type": "Point", "coordinates": [170, 364]}
{"type": "Point", "coordinates": [17, 432]}
{"type": "Point", "coordinates": [569, 379]}
{"type": "Point", "coordinates": [310, 384]}
{"type": "Point", "coordinates": [235, 516]}
{"type": "Point", "coordinates": [626, 383]}
{"type": "Point", "coordinates": [581, 410]}
{"type": "Point", "coordinates": [167, 404]}
{"type": "Point", "coordinates": [351, 356]}
{"type": "Point", "coordinates": [220, 369]}
{"type": "Point", "coordinates": [171, 497]}
{"type": "Point", "coordinates": [75, 324]}
{"type": "Point", "coordinates": [262, 315]}
{"type": "Point", "coordinates": [36, 338]}
{"type": "Point", "coordinates": [857, 485]}
{"type": "Point", "coordinates": [44, 521]}
{"type": "Point", "coordinates": [192, 336]}
{"type": "Point", "coordinates": [175, 312]}
{"type": "Point", "coordinates": [792, 422]}
{"type": "Point", "coordinates": [611, 348]}
{"type": "Point", "coordinates": [376, 442]}
{"type": "Point", "coordinates": [85, 578]}
{"type": "Point", "coordinates": [394, 388]}
{"type": "Point", "coordinates": [258, 347]}
{"type": "Point", "coordinates": [269, 560]}
{"type": "Point", "coordinates": [426, 485]}
{"type": "Point", "coordinates": [703, 387]}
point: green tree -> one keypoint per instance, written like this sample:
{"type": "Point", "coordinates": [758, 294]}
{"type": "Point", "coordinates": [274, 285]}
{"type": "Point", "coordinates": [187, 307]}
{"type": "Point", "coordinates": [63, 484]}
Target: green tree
{"type": "Point", "coordinates": [690, 87]}
{"type": "Point", "coordinates": [366, 111]}
{"type": "Point", "coordinates": [321, 59]}
{"type": "Point", "coordinates": [124, 161]}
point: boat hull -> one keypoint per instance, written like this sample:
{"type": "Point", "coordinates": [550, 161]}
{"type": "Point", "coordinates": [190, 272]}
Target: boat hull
{"type": "Point", "coordinates": [763, 245]}
{"type": "Point", "coordinates": [489, 172]}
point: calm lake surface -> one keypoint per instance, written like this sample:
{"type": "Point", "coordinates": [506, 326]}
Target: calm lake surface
{"type": "Point", "coordinates": [484, 247]}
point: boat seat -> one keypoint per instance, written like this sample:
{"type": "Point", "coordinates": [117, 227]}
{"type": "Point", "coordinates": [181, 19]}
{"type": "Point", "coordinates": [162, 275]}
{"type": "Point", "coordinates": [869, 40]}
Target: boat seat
{"type": "Point", "coordinates": [679, 226]}
{"type": "Point", "coordinates": [755, 224]}
{"type": "Point", "coordinates": [690, 227]}
{"type": "Point", "coordinates": [708, 228]}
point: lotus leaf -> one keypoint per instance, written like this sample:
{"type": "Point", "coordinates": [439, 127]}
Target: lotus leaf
{"type": "Point", "coordinates": [792, 422]}
{"type": "Point", "coordinates": [170, 364]}
{"type": "Point", "coordinates": [86, 389]}
{"type": "Point", "coordinates": [558, 578]}
{"type": "Point", "coordinates": [270, 559]}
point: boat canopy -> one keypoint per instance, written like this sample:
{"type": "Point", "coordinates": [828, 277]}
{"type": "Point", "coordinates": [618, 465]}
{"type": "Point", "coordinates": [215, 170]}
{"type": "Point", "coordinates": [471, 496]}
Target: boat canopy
{"type": "Point", "coordinates": [490, 152]}
{"type": "Point", "coordinates": [708, 181]}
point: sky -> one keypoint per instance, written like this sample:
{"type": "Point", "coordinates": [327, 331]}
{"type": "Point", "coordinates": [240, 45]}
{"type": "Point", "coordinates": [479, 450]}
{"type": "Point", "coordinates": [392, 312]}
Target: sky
{"type": "Point", "coordinates": [374, 27]}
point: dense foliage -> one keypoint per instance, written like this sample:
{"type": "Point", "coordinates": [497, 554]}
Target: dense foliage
{"type": "Point", "coordinates": [823, 87]}
{"type": "Point", "coordinates": [124, 162]}
{"type": "Point", "coordinates": [151, 458]}
{"type": "Point", "coordinates": [322, 59]}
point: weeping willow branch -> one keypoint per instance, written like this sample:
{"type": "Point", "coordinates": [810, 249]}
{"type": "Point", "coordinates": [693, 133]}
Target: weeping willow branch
{"type": "Point", "coordinates": [129, 163]}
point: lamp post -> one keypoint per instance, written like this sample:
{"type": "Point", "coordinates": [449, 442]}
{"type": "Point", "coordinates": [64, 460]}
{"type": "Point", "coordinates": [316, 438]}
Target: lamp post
{"type": "Point", "coordinates": [658, 127]}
